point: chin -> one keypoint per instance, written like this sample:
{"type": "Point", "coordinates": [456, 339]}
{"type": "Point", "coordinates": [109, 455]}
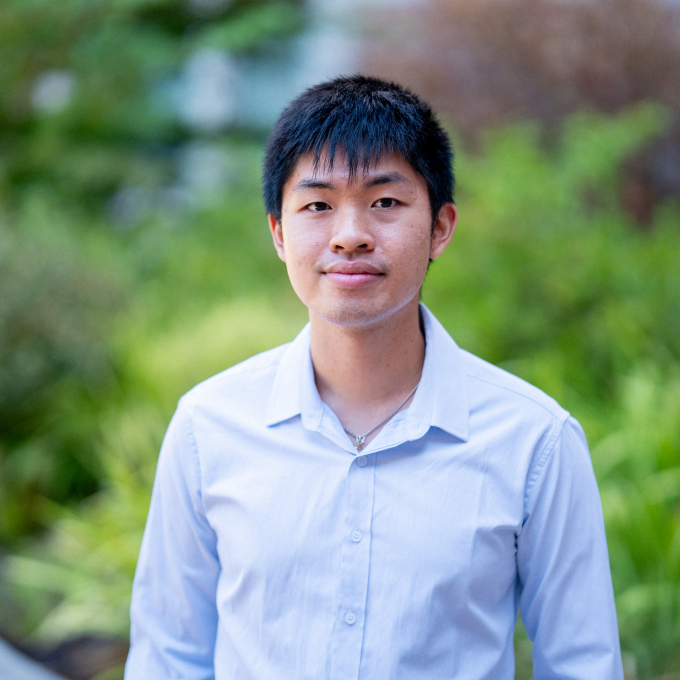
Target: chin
{"type": "Point", "coordinates": [357, 315]}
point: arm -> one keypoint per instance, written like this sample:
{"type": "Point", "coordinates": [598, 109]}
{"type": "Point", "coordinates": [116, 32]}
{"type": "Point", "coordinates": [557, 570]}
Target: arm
{"type": "Point", "coordinates": [173, 612]}
{"type": "Point", "coordinates": [566, 596]}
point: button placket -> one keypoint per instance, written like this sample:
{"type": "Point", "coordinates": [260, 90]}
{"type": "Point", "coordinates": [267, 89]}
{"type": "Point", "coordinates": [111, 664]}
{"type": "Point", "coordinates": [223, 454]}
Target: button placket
{"type": "Point", "coordinates": [353, 588]}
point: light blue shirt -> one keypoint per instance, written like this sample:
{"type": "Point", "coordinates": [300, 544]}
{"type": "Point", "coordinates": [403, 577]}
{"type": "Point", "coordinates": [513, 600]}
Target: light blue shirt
{"type": "Point", "coordinates": [273, 551]}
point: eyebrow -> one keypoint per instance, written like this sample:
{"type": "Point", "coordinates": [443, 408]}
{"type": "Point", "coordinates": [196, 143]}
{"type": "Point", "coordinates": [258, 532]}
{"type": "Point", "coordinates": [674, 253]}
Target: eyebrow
{"type": "Point", "coordinates": [376, 180]}
{"type": "Point", "coordinates": [311, 184]}
{"type": "Point", "coordinates": [387, 178]}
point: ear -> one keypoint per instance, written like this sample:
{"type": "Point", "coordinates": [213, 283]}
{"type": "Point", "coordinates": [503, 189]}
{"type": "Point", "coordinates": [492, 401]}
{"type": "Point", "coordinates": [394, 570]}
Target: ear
{"type": "Point", "coordinates": [443, 229]}
{"type": "Point", "coordinates": [277, 235]}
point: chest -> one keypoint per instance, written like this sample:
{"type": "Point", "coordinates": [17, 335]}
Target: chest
{"type": "Point", "coordinates": [429, 509]}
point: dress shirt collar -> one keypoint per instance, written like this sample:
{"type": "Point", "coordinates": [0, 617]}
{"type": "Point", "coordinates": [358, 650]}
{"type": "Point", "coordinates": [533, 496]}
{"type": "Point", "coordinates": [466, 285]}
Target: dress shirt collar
{"type": "Point", "coordinates": [440, 401]}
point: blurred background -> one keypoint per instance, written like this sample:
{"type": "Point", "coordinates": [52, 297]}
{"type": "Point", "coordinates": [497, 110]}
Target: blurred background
{"type": "Point", "coordinates": [135, 260]}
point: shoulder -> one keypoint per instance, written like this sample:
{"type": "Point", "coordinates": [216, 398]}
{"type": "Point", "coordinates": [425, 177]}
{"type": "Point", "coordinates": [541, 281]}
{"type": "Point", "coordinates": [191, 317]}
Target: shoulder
{"type": "Point", "coordinates": [516, 416]}
{"type": "Point", "coordinates": [489, 383]}
{"type": "Point", "coordinates": [513, 417]}
{"type": "Point", "coordinates": [489, 392]}
{"type": "Point", "coordinates": [249, 381]}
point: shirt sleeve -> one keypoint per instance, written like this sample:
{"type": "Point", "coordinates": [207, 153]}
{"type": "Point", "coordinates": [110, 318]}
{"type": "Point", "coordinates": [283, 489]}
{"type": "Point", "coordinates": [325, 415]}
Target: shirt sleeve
{"type": "Point", "coordinates": [566, 595]}
{"type": "Point", "coordinates": [173, 613]}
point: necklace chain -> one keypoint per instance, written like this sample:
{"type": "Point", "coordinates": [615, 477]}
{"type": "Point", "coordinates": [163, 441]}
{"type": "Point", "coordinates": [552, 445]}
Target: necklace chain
{"type": "Point", "coordinates": [359, 438]}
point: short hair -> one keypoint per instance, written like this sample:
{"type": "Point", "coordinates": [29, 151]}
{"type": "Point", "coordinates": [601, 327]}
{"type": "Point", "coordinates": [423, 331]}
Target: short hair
{"type": "Point", "coordinates": [365, 117]}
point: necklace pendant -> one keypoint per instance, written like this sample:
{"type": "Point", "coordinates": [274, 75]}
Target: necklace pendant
{"type": "Point", "coordinates": [360, 438]}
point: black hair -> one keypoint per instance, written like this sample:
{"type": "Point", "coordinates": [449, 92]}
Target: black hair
{"type": "Point", "coordinates": [366, 117]}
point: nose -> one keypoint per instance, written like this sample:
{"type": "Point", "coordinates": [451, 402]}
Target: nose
{"type": "Point", "coordinates": [351, 233]}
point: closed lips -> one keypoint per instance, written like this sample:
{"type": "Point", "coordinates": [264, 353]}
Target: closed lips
{"type": "Point", "coordinates": [353, 274]}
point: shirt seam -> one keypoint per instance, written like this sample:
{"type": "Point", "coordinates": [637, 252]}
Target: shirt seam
{"type": "Point", "coordinates": [560, 412]}
{"type": "Point", "coordinates": [235, 370]}
{"type": "Point", "coordinates": [197, 461]}
{"type": "Point", "coordinates": [543, 458]}
{"type": "Point", "coordinates": [241, 367]}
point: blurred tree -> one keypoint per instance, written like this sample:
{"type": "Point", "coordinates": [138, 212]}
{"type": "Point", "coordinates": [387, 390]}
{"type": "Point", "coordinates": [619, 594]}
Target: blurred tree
{"type": "Point", "coordinates": [485, 62]}
{"type": "Point", "coordinates": [93, 117]}
{"type": "Point", "coordinates": [90, 91]}
{"type": "Point", "coordinates": [56, 313]}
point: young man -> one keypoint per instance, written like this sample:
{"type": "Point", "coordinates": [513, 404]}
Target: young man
{"type": "Point", "coordinates": [369, 501]}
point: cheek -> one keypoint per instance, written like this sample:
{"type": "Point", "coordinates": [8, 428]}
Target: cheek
{"type": "Point", "coordinates": [303, 248]}
{"type": "Point", "coordinates": [303, 253]}
{"type": "Point", "coordinates": [419, 257]}
{"type": "Point", "coordinates": [411, 247]}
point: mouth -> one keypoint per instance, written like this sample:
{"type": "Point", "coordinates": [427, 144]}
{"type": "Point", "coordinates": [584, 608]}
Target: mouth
{"type": "Point", "coordinates": [353, 274]}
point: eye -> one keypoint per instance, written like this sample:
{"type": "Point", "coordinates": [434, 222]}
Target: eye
{"type": "Point", "coordinates": [385, 203]}
{"type": "Point", "coordinates": [318, 206]}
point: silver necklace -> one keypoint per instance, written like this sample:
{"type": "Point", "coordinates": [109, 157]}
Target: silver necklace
{"type": "Point", "coordinates": [359, 438]}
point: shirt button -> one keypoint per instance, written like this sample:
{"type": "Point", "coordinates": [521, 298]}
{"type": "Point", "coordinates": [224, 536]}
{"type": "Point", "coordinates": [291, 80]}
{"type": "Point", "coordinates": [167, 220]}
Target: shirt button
{"type": "Point", "coordinates": [361, 461]}
{"type": "Point", "coordinates": [350, 618]}
{"type": "Point", "coordinates": [356, 535]}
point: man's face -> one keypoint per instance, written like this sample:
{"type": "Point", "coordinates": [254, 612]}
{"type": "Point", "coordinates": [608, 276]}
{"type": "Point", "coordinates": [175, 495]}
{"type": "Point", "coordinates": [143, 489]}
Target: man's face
{"type": "Point", "coordinates": [357, 249]}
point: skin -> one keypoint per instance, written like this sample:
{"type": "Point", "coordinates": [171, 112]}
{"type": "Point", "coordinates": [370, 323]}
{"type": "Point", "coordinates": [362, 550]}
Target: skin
{"type": "Point", "coordinates": [357, 250]}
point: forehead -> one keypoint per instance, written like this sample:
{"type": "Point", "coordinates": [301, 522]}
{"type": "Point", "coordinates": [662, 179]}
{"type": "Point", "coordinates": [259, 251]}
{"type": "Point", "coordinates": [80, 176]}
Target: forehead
{"type": "Point", "coordinates": [387, 168]}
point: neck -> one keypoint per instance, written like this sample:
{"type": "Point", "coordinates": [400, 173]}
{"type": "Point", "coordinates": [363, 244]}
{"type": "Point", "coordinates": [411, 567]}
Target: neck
{"type": "Point", "coordinates": [363, 373]}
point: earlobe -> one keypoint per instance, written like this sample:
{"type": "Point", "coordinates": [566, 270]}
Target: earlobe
{"type": "Point", "coordinates": [277, 235]}
{"type": "Point", "coordinates": [443, 230]}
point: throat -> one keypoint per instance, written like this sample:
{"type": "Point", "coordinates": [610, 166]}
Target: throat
{"type": "Point", "coordinates": [360, 439]}
{"type": "Point", "coordinates": [366, 376]}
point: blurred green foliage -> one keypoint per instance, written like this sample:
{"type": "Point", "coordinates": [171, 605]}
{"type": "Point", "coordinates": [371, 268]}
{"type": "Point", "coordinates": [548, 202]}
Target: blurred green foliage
{"type": "Point", "coordinates": [107, 115]}
{"type": "Point", "coordinates": [89, 100]}
{"type": "Point", "coordinates": [57, 294]}
{"type": "Point", "coordinates": [102, 328]}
